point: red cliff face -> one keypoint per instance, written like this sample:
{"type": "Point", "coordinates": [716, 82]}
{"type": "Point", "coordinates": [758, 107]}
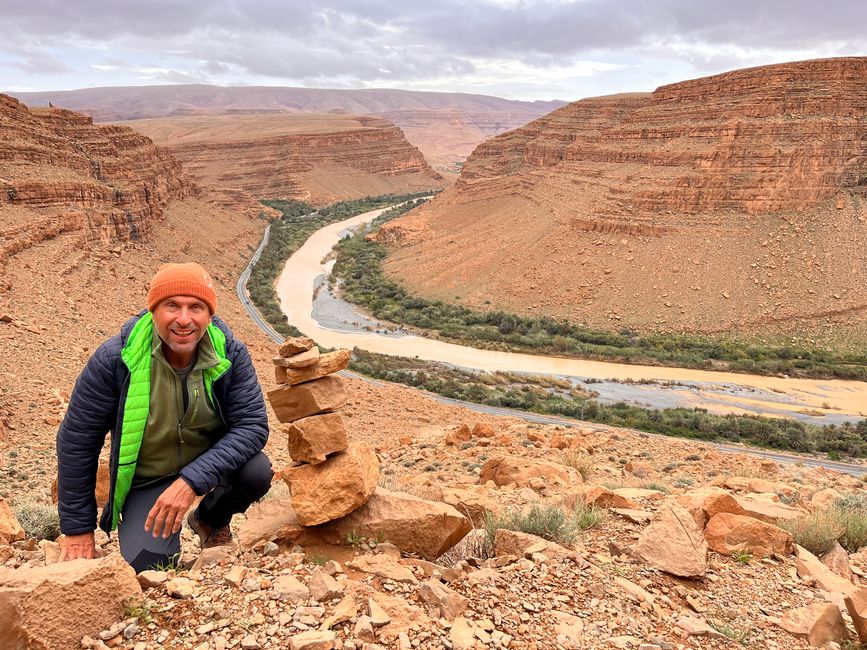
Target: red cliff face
{"type": "Point", "coordinates": [319, 158]}
{"type": "Point", "coordinates": [654, 210]}
{"type": "Point", "coordinates": [60, 173]}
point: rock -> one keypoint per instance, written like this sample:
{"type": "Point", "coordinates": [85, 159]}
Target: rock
{"type": "Point", "coordinates": [474, 501]}
{"type": "Point", "coordinates": [289, 588]}
{"type": "Point", "coordinates": [483, 430]}
{"type": "Point", "coordinates": [311, 439]}
{"type": "Point", "coordinates": [345, 610]}
{"type": "Point", "coordinates": [639, 493]}
{"type": "Point", "coordinates": [639, 469]}
{"type": "Point", "coordinates": [384, 567]}
{"type": "Point", "coordinates": [513, 542]}
{"type": "Point", "coordinates": [55, 606]}
{"type": "Point", "coordinates": [824, 498]}
{"type": "Point", "coordinates": [518, 472]}
{"type": "Point", "coordinates": [674, 543]}
{"type": "Point", "coordinates": [210, 557]}
{"type": "Point", "coordinates": [235, 575]}
{"type": "Point", "coordinates": [323, 587]}
{"type": "Point", "coordinates": [180, 588]}
{"type": "Point", "coordinates": [634, 592]}
{"type": "Point", "coordinates": [312, 640]}
{"type": "Point", "coordinates": [292, 403]}
{"type": "Point", "coordinates": [569, 630]}
{"type": "Point", "coordinates": [424, 528]}
{"type": "Point", "coordinates": [377, 614]}
{"type": "Point", "coordinates": [50, 551]}
{"type": "Point", "coordinates": [635, 516]}
{"type": "Point", "coordinates": [150, 579]}
{"type": "Point", "coordinates": [364, 629]}
{"type": "Point", "coordinates": [704, 503]}
{"type": "Point", "coordinates": [726, 533]}
{"type": "Point", "coordinates": [769, 511]}
{"type": "Point", "coordinates": [837, 559]}
{"type": "Point", "coordinates": [250, 642]}
{"type": "Point", "coordinates": [300, 360]}
{"type": "Point", "coordinates": [809, 566]}
{"type": "Point", "coordinates": [856, 604]}
{"type": "Point", "coordinates": [596, 496]}
{"type": "Point", "coordinates": [10, 529]}
{"type": "Point", "coordinates": [442, 601]}
{"type": "Point", "coordinates": [697, 627]}
{"type": "Point", "coordinates": [295, 345]}
{"type": "Point", "coordinates": [819, 623]}
{"type": "Point", "coordinates": [273, 520]}
{"type": "Point", "coordinates": [328, 364]}
{"type": "Point", "coordinates": [461, 635]}
{"type": "Point", "coordinates": [459, 435]}
{"type": "Point", "coordinates": [331, 490]}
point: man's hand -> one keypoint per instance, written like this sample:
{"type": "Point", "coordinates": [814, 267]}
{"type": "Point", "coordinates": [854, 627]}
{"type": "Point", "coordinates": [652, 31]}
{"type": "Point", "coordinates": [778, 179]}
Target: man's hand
{"type": "Point", "coordinates": [167, 515]}
{"type": "Point", "coordinates": [73, 547]}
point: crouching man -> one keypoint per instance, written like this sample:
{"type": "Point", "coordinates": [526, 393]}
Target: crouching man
{"type": "Point", "coordinates": [180, 396]}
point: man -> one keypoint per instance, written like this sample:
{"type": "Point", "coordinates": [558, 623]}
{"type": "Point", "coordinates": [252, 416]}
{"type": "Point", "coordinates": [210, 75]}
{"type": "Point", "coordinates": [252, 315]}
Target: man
{"type": "Point", "coordinates": [187, 416]}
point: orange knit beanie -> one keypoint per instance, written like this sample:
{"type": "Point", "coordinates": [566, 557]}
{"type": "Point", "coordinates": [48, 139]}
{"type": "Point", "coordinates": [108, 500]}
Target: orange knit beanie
{"type": "Point", "coordinates": [188, 279]}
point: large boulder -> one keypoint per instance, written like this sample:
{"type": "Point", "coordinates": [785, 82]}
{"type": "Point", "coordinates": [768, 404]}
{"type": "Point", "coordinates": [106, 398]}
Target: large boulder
{"type": "Point", "coordinates": [425, 528]}
{"type": "Point", "coordinates": [472, 500]}
{"type": "Point", "coordinates": [674, 543]}
{"type": "Point", "coordinates": [517, 471]}
{"type": "Point", "coordinates": [326, 365]}
{"type": "Point", "coordinates": [292, 403]}
{"type": "Point", "coordinates": [514, 542]}
{"type": "Point", "coordinates": [772, 512]}
{"type": "Point", "coordinates": [726, 533]}
{"type": "Point", "coordinates": [311, 439]}
{"type": "Point", "coordinates": [704, 503]}
{"type": "Point", "coordinates": [273, 520]}
{"type": "Point", "coordinates": [10, 529]}
{"type": "Point", "coordinates": [809, 566]}
{"type": "Point", "coordinates": [856, 603]}
{"type": "Point", "coordinates": [52, 607]}
{"type": "Point", "coordinates": [589, 496]}
{"type": "Point", "coordinates": [819, 623]}
{"type": "Point", "coordinates": [331, 490]}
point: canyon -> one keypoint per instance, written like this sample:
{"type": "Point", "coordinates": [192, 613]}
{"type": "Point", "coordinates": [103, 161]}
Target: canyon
{"type": "Point", "coordinates": [730, 204]}
{"type": "Point", "coordinates": [446, 127]}
{"type": "Point", "coordinates": [315, 157]}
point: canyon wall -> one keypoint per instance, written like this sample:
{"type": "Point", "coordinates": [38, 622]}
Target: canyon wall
{"type": "Point", "coordinates": [314, 157]}
{"type": "Point", "coordinates": [728, 203]}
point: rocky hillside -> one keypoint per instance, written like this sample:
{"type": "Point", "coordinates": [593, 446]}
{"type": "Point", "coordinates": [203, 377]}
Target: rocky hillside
{"type": "Point", "coordinates": [315, 157]}
{"type": "Point", "coordinates": [444, 126]}
{"type": "Point", "coordinates": [729, 203]}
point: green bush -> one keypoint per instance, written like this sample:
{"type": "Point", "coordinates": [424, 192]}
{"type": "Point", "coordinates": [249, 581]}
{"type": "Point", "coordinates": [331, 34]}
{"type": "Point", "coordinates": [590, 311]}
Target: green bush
{"type": "Point", "coordinates": [816, 532]}
{"type": "Point", "coordinates": [551, 522]}
{"type": "Point", "coordinates": [852, 513]}
{"type": "Point", "coordinates": [39, 520]}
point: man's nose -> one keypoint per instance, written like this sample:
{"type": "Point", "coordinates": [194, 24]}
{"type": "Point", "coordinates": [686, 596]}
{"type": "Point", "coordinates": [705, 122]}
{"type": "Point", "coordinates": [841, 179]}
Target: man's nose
{"type": "Point", "coordinates": [184, 316]}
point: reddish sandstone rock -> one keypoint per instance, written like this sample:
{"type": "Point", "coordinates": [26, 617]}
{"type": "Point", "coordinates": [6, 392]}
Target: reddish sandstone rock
{"type": "Point", "coordinates": [819, 623]}
{"type": "Point", "coordinates": [54, 606]}
{"type": "Point", "coordinates": [598, 496]}
{"type": "Point", "coordinates": [442, 602]}
{"type": "Point", "coordinates": [809, 566]}
{"type": "Point", "coordinates": [328, 364]}
{"type": "Point", "coordinates": [274, 520]}
{"type": "Point", "coordinates": [10, 529]}
{"type": "Point", "coordinates": [727, 533]}
{"type": "Point", "coordinates": [473, 501]}
{"type": "Point", "coordinates": [483, 430]}
{"type": "Point", "coordinates": [295, 345]}
{"type": "Point", "coordinates": [674, 543]}
{"type": "Point", "coordinates": [300, 360]}
{"type": "Point", "coordinates": [704, 503]}
{"type": "Point", "coordinates": [333, 489]}
{"type": "Point", "coordinates": [292, 403]}
{"type": "Point", "coordinates": [311, 439]}
{"type": "Point", "coordinates": [459, 435]}
{"type": "Point", "coordinates": [856, 605]}
{"type": "Point", "coordinates": [769, 511]}
{"type": "Point", "coordinates": [518, 471]}
{"type": "Point", "coordinates": [513, 542]}
{"type": "Point", "coordinates": [425, 528]}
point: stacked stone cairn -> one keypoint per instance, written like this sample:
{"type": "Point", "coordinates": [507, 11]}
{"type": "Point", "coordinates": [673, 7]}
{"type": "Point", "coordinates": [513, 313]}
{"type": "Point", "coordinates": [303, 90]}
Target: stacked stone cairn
{"type": "Point", "coordinates": [329, 477]}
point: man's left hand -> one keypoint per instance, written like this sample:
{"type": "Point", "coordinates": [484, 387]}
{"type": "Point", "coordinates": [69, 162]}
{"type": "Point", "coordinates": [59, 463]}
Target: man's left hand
{"type": "Point", "coordinates": [167, 515]}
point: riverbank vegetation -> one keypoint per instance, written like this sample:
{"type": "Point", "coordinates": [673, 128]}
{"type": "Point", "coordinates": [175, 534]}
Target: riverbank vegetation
{"type": "Point", "coordinates": [512, 390]}
{"type": "Point", "coordinates": [299, 220]}
{"type": "Point", "coordinates": [359, 270]}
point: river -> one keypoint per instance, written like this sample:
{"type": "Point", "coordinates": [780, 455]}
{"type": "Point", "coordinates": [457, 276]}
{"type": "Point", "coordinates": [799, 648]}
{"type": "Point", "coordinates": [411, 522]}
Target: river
{"type": "Point", "coordinates": [305, 299]}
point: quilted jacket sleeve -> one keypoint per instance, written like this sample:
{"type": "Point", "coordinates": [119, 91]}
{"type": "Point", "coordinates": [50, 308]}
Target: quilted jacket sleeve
{"type": "Point", "coordinates": [91, 414]}
{"type": "Point", "coordinates": [242, 406]}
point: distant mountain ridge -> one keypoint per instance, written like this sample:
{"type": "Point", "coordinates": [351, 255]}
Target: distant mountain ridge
{"type": "Point", "coordinates": [446, 127]}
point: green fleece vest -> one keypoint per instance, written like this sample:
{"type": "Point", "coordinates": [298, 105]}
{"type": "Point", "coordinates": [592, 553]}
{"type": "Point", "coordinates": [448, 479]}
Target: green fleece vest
{"type": "Point", "coordinates": [136, 354]}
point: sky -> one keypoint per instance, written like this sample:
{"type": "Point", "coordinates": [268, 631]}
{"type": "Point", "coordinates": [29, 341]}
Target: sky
{"type": "Point", "coordinates": [518, 49]}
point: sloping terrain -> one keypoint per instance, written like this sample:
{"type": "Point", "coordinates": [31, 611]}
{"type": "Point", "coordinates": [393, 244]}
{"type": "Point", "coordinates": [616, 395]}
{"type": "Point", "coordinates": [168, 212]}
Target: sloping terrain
{"type": "Point", "coordinates": [315, 157]}
{"type": "Point", "coordinates": [733, 203]}
{"type": "Point", "coordinates": [444, 126]}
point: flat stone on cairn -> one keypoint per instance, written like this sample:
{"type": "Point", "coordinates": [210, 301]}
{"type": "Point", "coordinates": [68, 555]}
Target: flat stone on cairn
{"type": "Point", "coordinates": [327, 364]}
{"type": "Point", "coordinates": [311, 439]}
{"type": "Point", "coordinates": [292, 403]}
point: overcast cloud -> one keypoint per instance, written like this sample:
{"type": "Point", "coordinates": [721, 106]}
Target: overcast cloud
{"type": "Point", "coordinates": [521, 49]}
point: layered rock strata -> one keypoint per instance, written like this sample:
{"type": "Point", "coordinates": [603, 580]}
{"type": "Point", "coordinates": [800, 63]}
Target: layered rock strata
{"type": "Point", "coordinates": [732, 202]}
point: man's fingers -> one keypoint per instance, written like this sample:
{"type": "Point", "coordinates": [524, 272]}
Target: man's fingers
{"type": "Point", "coordinates": [179, 522]}
{"type": "Point", "coordinates": [149, 522]}
{"type": "Point", "coordinates": [159, 520]}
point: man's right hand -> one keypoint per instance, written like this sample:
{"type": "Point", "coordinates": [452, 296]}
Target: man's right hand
{"type": "Point", "coordinates": [73, 547]}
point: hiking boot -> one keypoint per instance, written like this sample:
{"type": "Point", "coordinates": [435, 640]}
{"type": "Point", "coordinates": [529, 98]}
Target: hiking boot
{"type": "Point", "coordinates": [209, 537]}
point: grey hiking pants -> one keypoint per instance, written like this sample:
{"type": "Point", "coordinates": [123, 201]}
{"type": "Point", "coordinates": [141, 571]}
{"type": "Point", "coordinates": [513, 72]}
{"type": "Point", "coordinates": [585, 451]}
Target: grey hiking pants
{"type": "Point", "coordinates": [234, 494]}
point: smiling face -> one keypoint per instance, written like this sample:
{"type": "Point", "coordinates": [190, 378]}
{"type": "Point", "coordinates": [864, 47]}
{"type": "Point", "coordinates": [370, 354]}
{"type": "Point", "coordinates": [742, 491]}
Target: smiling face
{"type": "Point", "coordinates": [181, 322]}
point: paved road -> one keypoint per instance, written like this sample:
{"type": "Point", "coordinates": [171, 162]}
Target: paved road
{"type": "Point", "coordinates": [241, 289]}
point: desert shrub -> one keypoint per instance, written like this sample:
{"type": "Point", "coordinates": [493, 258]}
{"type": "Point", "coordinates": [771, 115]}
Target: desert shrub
{"type": "Point", "coordinates": [39, 520]}
{"type": "Point", "coordinates": [585, 517]}
{"type": "Point", "coordinates": [817, 532]}
{"type": "Point", "coordinates": [580, 461]}
{"type": "Point", "coordinates": [475, 544]}
{"type": "Point", "coordinates": [852, 514]}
